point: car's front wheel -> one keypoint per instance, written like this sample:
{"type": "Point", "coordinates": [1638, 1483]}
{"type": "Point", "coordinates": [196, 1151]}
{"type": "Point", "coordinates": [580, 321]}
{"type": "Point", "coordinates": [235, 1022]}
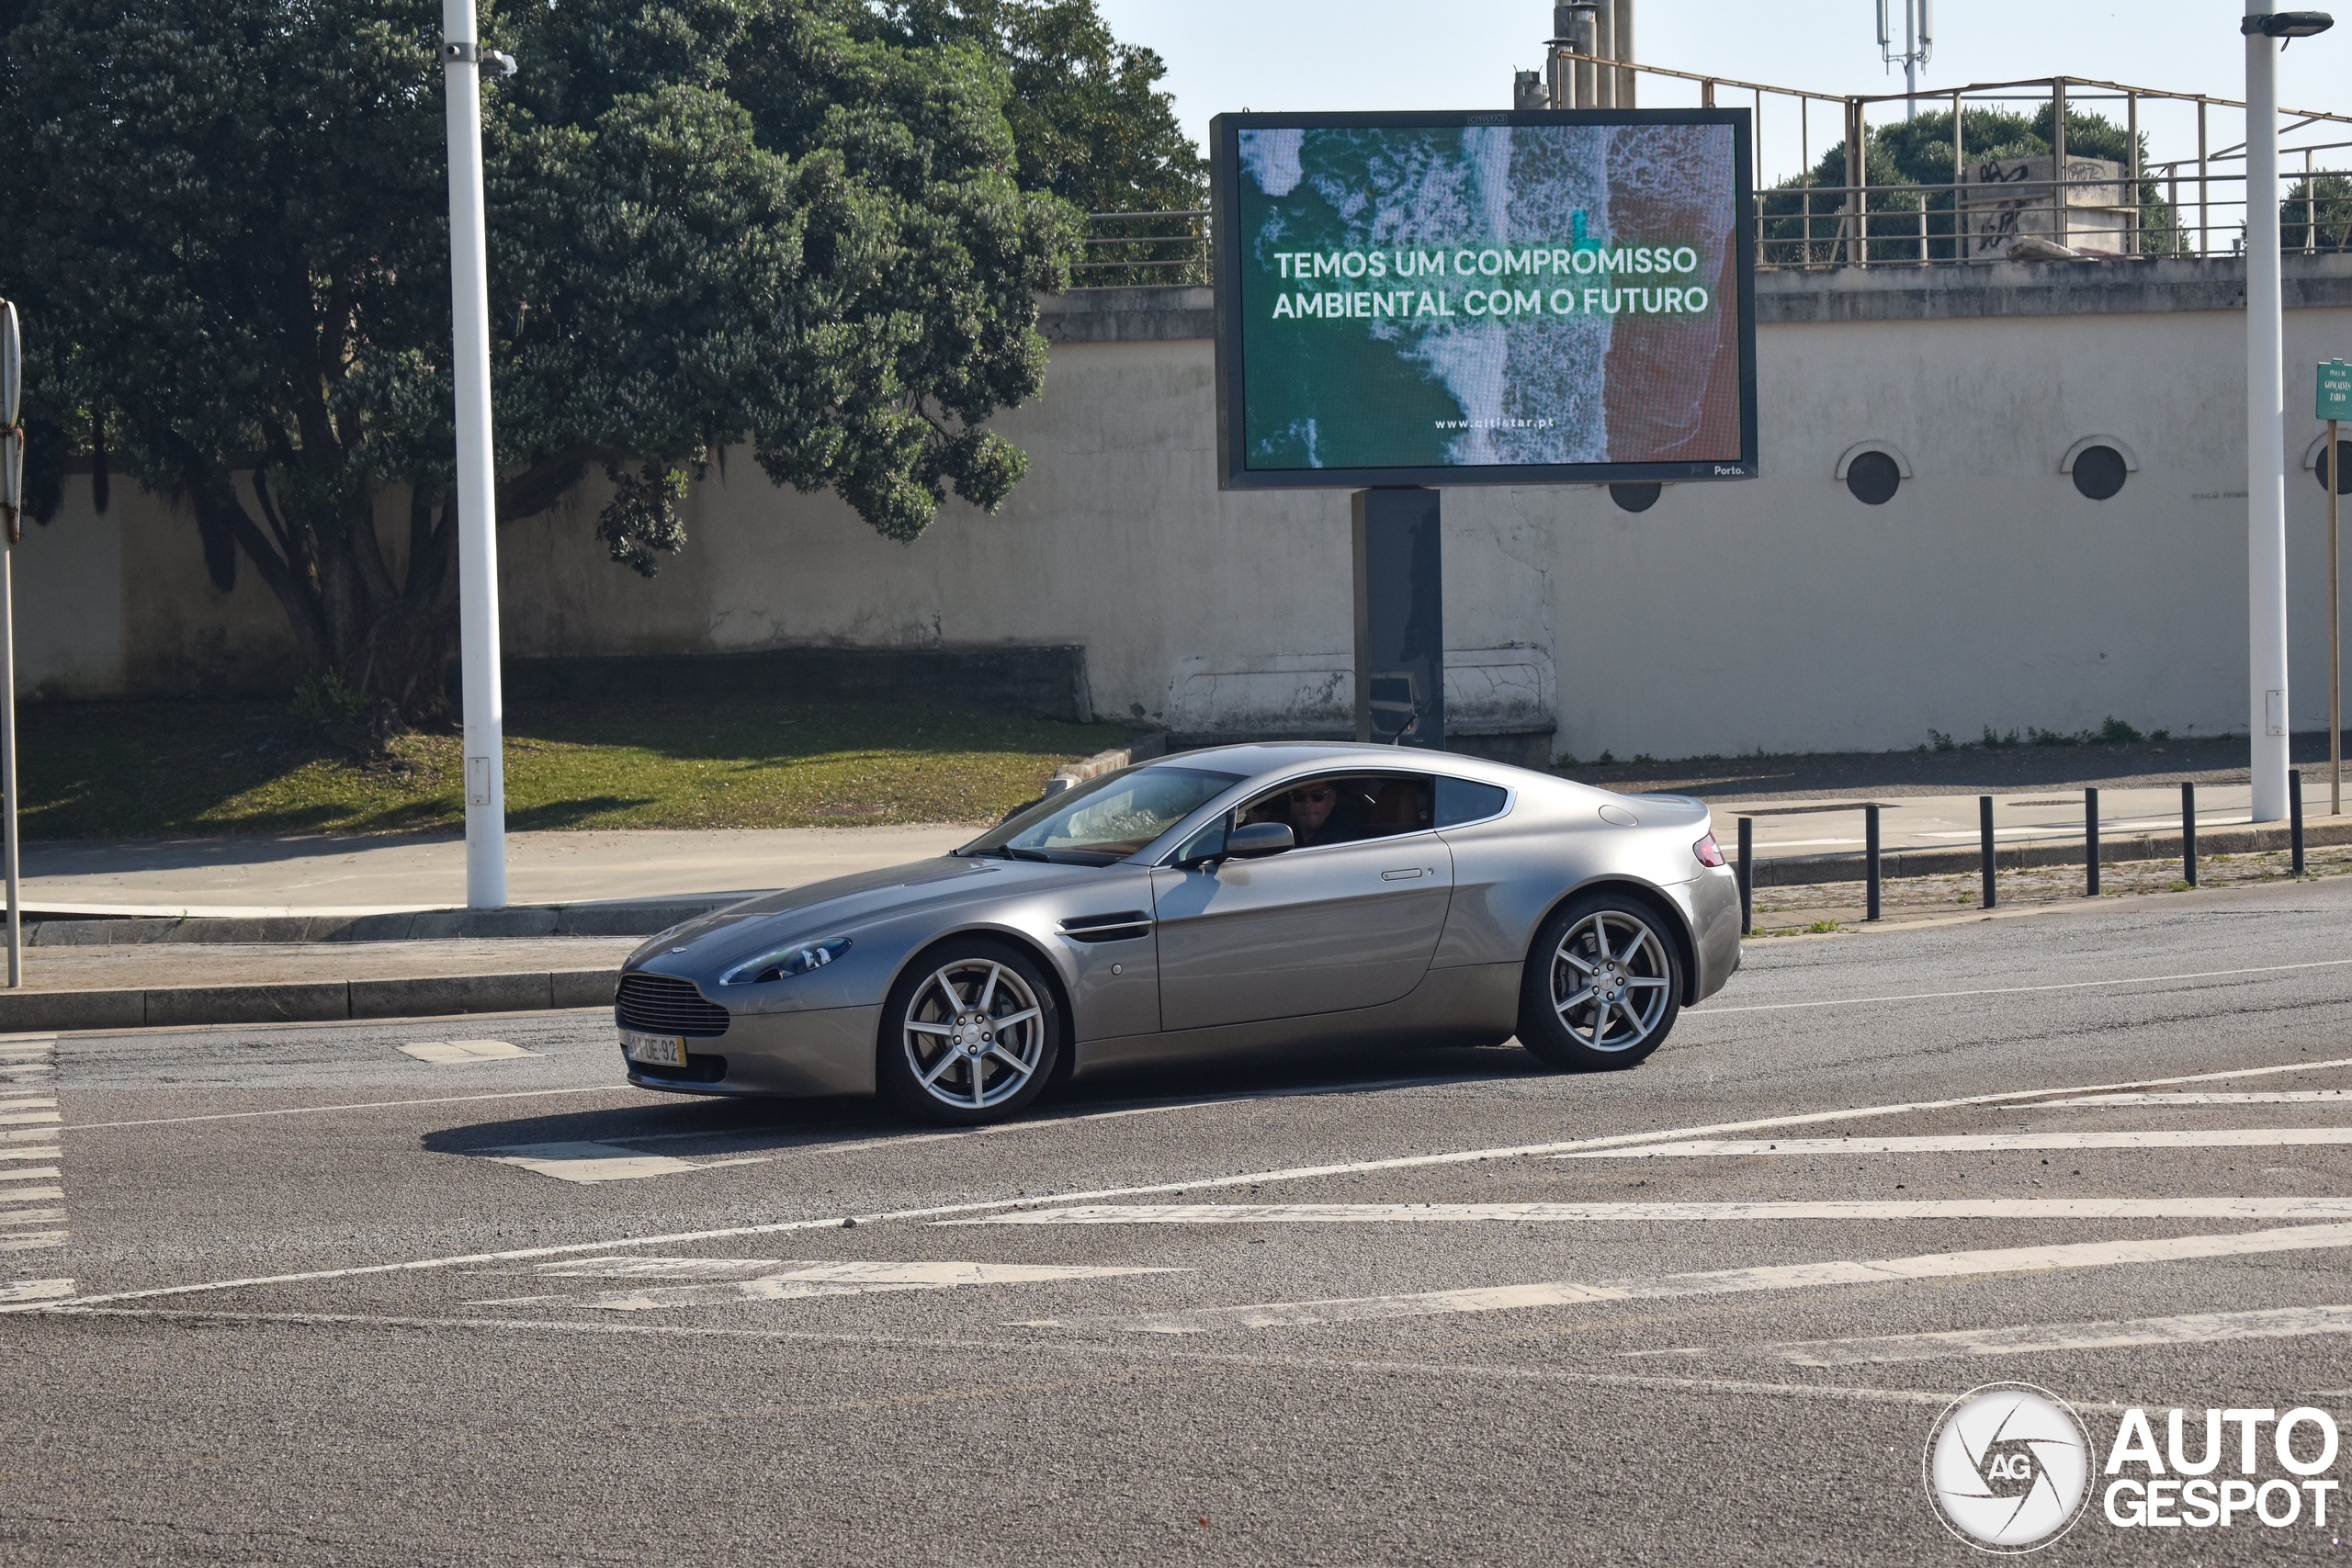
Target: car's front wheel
{"type": "Point", "coordinates": [1602, 987]}
{"type": "Point", "coordinates": [970, 1033]}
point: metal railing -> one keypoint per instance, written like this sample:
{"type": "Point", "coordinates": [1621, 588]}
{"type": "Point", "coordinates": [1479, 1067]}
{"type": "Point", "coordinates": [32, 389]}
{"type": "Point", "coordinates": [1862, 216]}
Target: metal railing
{"type": "Point", "coordinates": [1997, 205]}
{"type": "Point", "coordinates": [1132, 249]}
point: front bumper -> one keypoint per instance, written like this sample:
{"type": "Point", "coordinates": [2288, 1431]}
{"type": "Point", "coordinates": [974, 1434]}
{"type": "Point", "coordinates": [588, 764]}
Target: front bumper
{"type": "Point", "coordinates": [829, 1051]}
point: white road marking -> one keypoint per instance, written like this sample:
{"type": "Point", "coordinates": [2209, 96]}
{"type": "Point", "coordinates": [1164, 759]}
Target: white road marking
{"type": "Point", "coordinates": [28, 1131]}
{"type": "Point", "coordinates": [2265, 1208]}
{"type": "Point", "coordinates": [2019, 991]}
{"type": "Point", "coordinates": [2189, 1328]}
{"type": "Point", "coordinates": [1145, 1351]}
{"type": "Point", "coordinates": [33, 1242]}
{"type": "Point", "coordinates": [1973, 1142]}
{"type": "Point", "coordinates": [36, 1289]}
{"type": "Point", "coordinates": [454, 1051]}
{"type": "Point", "coordinates": [802, 1281]}
{"type": "Point", "coordinates": [364, 1105]}
{"type": "Point", "coordinates": [655, 1268]}
{"type": "Point", "coordinates": [1246, 1178]}
{"type": "Point", "coordinates": [588, 1162]}
{"type": "Point", "coordinates": [1723, 1281]}
{"type": "Point", "coordinates": [2251, 1097]}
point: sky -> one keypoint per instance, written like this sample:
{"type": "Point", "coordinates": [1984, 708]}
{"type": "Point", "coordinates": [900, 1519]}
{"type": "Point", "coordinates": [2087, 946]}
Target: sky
{"type": "Point", "coordinates": [1378, 54]}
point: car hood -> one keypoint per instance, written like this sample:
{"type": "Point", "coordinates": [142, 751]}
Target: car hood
{"type": "Point", "coordinates": [843, 903]}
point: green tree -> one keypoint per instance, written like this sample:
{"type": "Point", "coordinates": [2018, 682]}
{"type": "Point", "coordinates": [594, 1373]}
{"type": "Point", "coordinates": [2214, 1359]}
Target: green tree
{"type": "Point", "coordinates": [1918, 152]}
{"type": "Point", "coordinates": [711, 222]}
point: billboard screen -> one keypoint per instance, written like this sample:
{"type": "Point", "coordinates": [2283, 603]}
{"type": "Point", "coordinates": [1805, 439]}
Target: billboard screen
{"type": "Point", "coordinates": [1484, 298]}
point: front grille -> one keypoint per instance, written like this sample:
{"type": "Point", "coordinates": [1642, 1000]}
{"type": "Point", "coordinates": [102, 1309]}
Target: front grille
{"type": "Point", "coordinates": [663, 1004]}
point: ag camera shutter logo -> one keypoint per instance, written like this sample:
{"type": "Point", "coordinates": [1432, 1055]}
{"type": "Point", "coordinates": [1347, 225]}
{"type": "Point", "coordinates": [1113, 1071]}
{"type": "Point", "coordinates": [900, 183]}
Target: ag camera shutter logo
{"type": "Point", "coordinates": [2007, 1467]}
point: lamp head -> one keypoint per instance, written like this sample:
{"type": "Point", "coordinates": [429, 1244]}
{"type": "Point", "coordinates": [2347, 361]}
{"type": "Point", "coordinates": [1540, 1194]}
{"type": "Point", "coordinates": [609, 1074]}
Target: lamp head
{"type": "Point", "coordinates": [2287, 24]}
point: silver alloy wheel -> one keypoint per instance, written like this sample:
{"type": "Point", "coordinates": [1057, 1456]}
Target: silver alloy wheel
{"type": "Point", "coordinates": [1609, 981]}
{"type": "Point", "coordinates": [974, 1033]}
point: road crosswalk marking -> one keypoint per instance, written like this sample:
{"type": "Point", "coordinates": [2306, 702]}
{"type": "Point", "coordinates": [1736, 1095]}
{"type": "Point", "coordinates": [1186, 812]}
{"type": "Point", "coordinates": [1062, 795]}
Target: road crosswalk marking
{"type": "Point", "coordinates": [2262, 1208]}
{"type": "Point", "coordinates": [1979, 1143]}
{"type": "Point", "coordinates": [30, 1124]}
{"type": "Point", "coordinates": [2187, 1328]}
{"type": "Point", "coordinates": [1722, 1282]}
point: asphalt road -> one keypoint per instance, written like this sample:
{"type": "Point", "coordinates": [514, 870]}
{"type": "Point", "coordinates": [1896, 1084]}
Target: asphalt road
{"type": "Point", "coordinates": [297, 1295]}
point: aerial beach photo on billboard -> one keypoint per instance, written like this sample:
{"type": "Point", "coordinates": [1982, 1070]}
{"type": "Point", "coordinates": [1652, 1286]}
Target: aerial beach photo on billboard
{"type": "Point", "coordinates": [1535, 297]}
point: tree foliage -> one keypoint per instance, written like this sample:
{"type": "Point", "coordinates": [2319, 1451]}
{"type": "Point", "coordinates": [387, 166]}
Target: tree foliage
{"type": "Point", "coordinates": [1903, 155]}
{"type": "Point", "coordinates": [803, 225]}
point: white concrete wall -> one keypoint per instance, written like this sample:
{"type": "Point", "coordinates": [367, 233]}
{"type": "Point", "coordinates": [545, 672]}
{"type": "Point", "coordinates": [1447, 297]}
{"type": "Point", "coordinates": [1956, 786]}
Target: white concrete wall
{"type": "Point", "coordinates": [1778, 612]}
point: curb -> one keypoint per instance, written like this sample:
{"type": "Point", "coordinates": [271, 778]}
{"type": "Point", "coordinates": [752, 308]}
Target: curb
{"type": "Point", "coordinates": [423, 925]}
{"type": "Point", "coordinates": [1141, 750]}
{"type": "Point", "coordinates": [1794, 871]}
{"type": "Point", "coordinates": [306, 1001]}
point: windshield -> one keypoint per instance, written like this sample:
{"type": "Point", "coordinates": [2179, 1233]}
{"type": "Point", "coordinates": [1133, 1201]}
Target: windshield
{"type": "Point", "coordinates": [1104, 820]}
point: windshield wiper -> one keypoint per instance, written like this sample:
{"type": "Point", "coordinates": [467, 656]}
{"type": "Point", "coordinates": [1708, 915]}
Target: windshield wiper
{"type": "Point", "coordinates": [1008, 853]}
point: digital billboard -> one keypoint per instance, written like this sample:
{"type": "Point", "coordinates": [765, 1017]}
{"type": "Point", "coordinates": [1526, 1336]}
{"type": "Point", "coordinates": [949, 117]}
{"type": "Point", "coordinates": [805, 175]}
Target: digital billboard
{"type": "Point", "coordinates": [1539, 296]}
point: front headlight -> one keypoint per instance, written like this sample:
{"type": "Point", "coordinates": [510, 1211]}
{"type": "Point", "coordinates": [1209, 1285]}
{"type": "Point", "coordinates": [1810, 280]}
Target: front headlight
{"type": "Point", "coordinates": [785, 962]}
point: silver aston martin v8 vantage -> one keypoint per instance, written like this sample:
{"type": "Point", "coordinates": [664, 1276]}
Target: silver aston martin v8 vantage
{"type": "Point", "coordinates": [1235, 899]}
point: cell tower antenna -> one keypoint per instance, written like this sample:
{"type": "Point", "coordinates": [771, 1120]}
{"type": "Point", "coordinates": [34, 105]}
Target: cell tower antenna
{"type": "Point", "coordinates": [1919, 43]}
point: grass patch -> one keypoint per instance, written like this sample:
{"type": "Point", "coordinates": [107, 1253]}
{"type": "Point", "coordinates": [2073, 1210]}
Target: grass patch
{"type": "Point", "coordinates": [139, 769]}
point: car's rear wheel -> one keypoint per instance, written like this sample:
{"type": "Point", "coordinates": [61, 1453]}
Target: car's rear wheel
{"type": "Point", "coordinates": [970, 1033]}
{"type": "Point", "coordinates": [1602, 987]}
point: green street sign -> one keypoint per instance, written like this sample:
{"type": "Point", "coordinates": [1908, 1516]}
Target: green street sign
{"type": "Point", "coordinates": [2335, 393]}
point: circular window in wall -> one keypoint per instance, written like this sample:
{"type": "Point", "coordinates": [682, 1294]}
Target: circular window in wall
{"type": "Point", "coordinates": [2099, 472]}
{"type": "Point", "coordinates": [1873, 478]}
{"type": "Point", "coordinates": [1635, 497]}
{"type": "Point", "coordinates": [2319, 466]}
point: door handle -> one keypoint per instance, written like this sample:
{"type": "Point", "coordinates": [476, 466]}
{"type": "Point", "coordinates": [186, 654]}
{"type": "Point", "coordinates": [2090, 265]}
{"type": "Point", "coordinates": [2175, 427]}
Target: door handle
{"type": "Point", "coordinates": [1407, 874]}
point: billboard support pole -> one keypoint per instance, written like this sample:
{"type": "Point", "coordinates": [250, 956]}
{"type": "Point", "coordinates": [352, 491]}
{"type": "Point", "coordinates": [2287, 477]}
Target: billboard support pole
{"type": "Point", "coordinates": [1400, 617]}
{"type": "Point", "coordinates": [2265, 416]}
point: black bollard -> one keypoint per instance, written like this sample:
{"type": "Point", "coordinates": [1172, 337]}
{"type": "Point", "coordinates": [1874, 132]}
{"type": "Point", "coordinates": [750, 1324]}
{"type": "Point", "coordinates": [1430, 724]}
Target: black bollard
{"type": "Point", "coordinates": [2189, 833]}
{"type": "Point", "coordinates": [1984, 831]}
{"type": "Point", "coordinates": [1869, 860]}
{"type": "Point", "coordinates": [2295, 821]}
{"type": "Point", "coordinates": [2090, 843]}
{"type": "Point", "coordinates": [1746, 874]}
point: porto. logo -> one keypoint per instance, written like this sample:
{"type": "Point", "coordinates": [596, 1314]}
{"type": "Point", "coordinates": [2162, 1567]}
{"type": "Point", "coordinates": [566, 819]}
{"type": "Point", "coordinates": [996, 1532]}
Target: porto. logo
{"type": "Point", "coordinates": [2008, 1466]}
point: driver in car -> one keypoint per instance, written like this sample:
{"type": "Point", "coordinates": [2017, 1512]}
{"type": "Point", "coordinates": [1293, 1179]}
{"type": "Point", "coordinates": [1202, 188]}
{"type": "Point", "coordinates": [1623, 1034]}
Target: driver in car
{"type": "Point", "coordinates": [1312, 810]}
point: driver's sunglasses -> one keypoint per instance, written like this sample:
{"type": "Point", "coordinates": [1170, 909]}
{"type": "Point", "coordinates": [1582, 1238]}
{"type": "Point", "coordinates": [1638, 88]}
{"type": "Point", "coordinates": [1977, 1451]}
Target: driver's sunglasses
{"type": "Point", "coordinates": [1315, 795]}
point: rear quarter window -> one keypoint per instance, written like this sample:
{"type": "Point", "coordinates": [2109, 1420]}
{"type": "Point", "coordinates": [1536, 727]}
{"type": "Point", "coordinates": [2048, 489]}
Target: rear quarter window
{"type": "Point", "coordinates": [1460, 801]}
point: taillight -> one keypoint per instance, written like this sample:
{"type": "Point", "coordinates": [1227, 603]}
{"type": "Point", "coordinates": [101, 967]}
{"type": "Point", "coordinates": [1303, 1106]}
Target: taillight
{"type": "Point", "coordinates": [1707, 853]}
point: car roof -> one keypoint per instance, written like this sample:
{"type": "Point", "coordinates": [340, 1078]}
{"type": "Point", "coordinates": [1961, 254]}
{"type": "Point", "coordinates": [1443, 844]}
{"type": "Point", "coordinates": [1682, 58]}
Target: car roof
{"type": "Point", "coordinates": [1253, 759]}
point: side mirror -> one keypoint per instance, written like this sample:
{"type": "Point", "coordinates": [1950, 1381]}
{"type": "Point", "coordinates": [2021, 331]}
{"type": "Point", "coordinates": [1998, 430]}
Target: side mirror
{"type": "Point", "coordinates": [1256, 839]}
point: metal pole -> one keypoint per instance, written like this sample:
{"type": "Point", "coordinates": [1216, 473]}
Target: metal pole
{"type": "Point", "coordinates": [2204, 191]}
{"type": "Point", "coordinates": [2058, 152]}
{"type": "Point", "coordinates": [2266, 415]}
{"type": "Point", "coordinates": [477, 480]}
{"type": "Point", "coordinates": [2090, 843]}
{"type": "Point", "coordinates": [9, 751]}
{"type": "Point", "coordinates": [2189, 833]}
{"type": "Point", "coordinates": [2294, 823]}
{"type": "Point", "coordinates": [1624, 30]}
{"type": "Point", "coordinates": [1984, 834]}
{"type": "Point", "coordinates": [1958, 180]}
{"type": "Point", "coordinates": [2334, 633]}
{"type": "Point", "coordinates": [1870, 861]}
{"type": "Point", "coordinates": [1746, 874]}
{"type": "Point", "coordinates": [2132, 134]}
{"type": "Point", "coordinates": [1604, 44]}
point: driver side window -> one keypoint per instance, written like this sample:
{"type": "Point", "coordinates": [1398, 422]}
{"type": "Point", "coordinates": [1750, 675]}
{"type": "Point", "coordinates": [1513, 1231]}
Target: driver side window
{"type": "Point", "coordinates": [1342, 808]}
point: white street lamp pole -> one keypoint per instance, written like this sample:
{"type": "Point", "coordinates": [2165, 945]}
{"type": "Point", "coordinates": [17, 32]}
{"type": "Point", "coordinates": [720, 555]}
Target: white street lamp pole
{"type": "Point", "coordinates": [477, 480]}
{"type": "Point", "coordinates": [2266, 409]}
